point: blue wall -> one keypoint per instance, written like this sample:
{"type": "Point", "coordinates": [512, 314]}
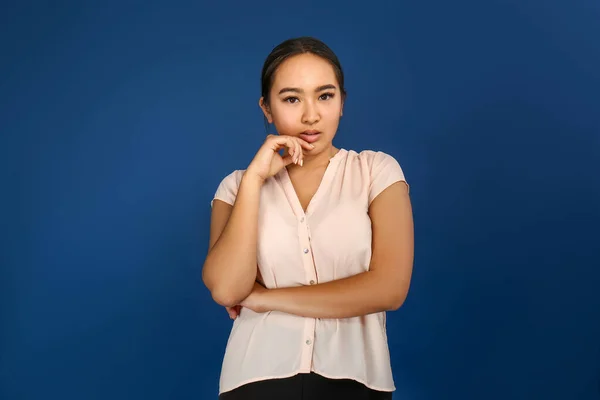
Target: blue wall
{"type": "Point", "coordinates": [117, 123]}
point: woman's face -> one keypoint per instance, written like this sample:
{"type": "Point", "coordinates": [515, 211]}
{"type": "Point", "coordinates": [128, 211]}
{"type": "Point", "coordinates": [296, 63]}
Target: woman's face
{"type": "Point", "coordinates": [305, 101]}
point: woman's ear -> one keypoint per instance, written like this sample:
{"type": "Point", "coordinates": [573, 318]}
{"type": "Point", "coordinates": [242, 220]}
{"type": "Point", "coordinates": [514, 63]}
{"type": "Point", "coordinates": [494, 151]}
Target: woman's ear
{"type": "Point", "coordinates": [265, 109]}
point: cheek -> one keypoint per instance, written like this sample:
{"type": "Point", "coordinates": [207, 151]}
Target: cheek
{"type": "Point", "coordinates": [334, 111]}
{"type": "Point", "coordinates": [332, 116]}
{"type": "Point", "coordinates": [286, 120]}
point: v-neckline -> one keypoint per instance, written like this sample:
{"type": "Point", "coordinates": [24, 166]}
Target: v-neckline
{"type": "Point", "coordinates": [292, 195]}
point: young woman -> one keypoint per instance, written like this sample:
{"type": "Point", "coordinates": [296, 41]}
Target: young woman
{"type": "Point", "coordinates": [309, 248]}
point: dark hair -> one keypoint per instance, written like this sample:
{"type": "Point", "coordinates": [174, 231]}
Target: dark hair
{"type": "Point", "coordinates": [293, 47]}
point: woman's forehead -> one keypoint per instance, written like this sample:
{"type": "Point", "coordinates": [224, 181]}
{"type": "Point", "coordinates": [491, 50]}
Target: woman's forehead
{"type": "Point", "coordinates": [305, 71]}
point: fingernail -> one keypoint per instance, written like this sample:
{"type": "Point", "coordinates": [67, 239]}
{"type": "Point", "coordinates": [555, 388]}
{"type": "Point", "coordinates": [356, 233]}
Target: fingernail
{"type": "Point", "coordinates": [301, 162]}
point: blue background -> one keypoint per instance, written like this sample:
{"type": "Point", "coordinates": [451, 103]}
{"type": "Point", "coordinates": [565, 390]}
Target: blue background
{"type": "Point", "coordinates": [118, 122]}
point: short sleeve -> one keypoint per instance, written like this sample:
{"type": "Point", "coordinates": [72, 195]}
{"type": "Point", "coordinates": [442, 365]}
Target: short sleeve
{"type": "Point", "coordinates": [384, 171]}
{"type": "Point", "coordinates": [228, 188]}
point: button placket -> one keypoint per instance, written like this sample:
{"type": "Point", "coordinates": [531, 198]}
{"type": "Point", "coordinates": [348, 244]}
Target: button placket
{"type": "Point", "coordinates": [304, 235]}
{"type": "Point", "coordinates": [306, 358]}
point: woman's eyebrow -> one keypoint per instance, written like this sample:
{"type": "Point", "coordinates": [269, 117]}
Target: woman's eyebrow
{"type": "Point", "coordinates": [297, 90]}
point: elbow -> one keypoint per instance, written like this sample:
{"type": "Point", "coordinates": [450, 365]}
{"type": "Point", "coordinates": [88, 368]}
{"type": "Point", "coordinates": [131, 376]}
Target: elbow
{"type": "Point", "coordinates": [394, 306]}
{"type": "Point", "coordinates": [220, 294]}
{"type": "Point", "coordinates": [224, 299]}
{"type": "Point", "coordinates": [396, 292]}
{"type": "Point", "coordinates": [226, 292]}
{"type": "Point", "coordinates": [395, 301]}
{"type": "Point", "coordinates": [228, 296]}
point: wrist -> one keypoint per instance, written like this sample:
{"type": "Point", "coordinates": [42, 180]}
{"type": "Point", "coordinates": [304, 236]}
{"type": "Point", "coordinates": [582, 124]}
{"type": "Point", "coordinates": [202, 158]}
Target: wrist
{"type": "Point", "coordinates": [265, 300]}
{"type": "Point", "coordinates": [252, 179]}
{"type": "Point", "coordinates": [269, 299]}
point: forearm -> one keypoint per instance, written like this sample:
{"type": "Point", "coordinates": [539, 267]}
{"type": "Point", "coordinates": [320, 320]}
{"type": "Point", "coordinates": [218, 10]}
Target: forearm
{"type": "Point", "coordinates": [358, 295]}
{"type": "Point", "coordinates": [230, 268]}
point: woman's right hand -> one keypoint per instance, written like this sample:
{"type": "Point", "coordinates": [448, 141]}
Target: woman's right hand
{"type": "Point", "coordinates": [268, 162]}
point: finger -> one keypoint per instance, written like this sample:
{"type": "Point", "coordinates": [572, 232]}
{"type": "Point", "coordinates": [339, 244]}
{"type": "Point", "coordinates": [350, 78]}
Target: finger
{"type": "Point", "coordinates": [300, 153]}
{"type": "Point", "coordinates": [232, 312]}
{"type": "Point", "coordinates": [304, 144]}
{"type": "Point", "coordinates": [292, 150]}
{"type": "Point", "coordinates": [279, 140]}
{"type": "Point", "coordinates": [287, 160]}
{"type": "Point", "coordinates": [293, 145]}
{"type": "Point", "coordinates": [295, 150]}
{"type": "Point", "coordinates": [287, 143]}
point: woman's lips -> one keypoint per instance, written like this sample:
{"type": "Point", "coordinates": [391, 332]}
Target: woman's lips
{"type": "Point", "coordinates": [310, 137]}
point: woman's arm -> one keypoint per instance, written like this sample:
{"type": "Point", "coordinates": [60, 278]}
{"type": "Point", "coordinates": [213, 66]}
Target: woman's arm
{"type": "Point", "coordinates": [384, 287]}
{"type": "Point", "coordinates": [229, 270]}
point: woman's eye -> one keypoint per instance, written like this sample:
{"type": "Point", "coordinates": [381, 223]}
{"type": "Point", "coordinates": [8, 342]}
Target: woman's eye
{"type": "Point", "coordinates": [326, 96]}
{"type": "Point", "coordinates": [291, 99]}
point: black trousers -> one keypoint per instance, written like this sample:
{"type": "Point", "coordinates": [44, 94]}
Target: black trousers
{"type": "Point", "coordinates": [305, 387]}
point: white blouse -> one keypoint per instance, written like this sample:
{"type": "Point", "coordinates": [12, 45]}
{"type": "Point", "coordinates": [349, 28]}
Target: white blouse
{"type": "Point", "coordinates": [332, 240]}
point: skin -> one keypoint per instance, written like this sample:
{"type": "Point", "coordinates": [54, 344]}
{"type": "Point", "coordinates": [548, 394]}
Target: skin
{"type": "Point", "coordinates": [316, 103]}
{"type": "Point", "coordinates": [306, 96]}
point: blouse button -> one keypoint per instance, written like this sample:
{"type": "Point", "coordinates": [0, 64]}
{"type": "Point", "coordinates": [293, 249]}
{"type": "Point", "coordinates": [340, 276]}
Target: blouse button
{"type": "Point", "coordinates": [302, 219]}
{"type": "Point", "coordinates": [305, 251]}
{"type": "Point", "coordinates": [308, 342]}
{"type": "Point", "coordinates": [312, 282]}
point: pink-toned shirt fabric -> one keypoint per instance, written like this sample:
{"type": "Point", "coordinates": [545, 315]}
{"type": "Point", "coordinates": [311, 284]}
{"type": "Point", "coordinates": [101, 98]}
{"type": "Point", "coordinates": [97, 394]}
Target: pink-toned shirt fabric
{"type": "Point", "coordinates": [332, 240]}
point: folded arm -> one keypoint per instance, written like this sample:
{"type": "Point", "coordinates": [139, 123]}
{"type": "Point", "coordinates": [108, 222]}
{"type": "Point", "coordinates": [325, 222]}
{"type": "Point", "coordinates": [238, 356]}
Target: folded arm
{"type": "Point", "coordinates": [232, 245]}
{"type": "Point", "coordinates": [383, 288]}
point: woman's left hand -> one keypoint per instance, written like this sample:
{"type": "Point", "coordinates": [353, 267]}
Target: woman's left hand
{"type": "Point", "coordinates": [234, 311]}
{"type": "Point", "coordinates": [256, 300]}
